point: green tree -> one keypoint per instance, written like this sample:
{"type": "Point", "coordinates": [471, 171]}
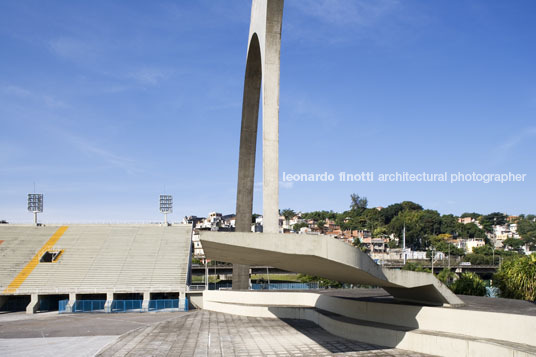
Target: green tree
{"type": "Point", "coordinates": [526, 227]}
{"type": "Point", "coordinates": [411, 206]}
{"type": "Point", "coordinates": [288, 214]}
{"type": "Point", "coordinates": [447, 276]}
{"type": "Point", "coordinates": [473, 215]}
{"type": "Point", "coordinates": [514, 244]}
{"type": "Point", "coordinates": [323, 282]}
{"type": "Point", "coordinates": [479, 259]}
{"type": "Point", "coordinates": [470, 230]}
{"type": "Point", "coordinates": [415, 267]}
{"type": "Point", "coordinates": [380, 231]}
{"type": "Point", "coordinates": [391, 212]}
{"type": "Point", "coordinates": [516, 278]}
{"type": "Point", "coordinates": [469, 284]}
{"type": "Point", "coordinates": [440, 244]}
{"type": "Point", "coordinates": [358, 203]}
{"type": "Point", "coordinates": [319, 215]}
{"type": "Point", "coordinates": [357, 243]}
{"type": "Point", "coordinates": [296, 227]}
{"type": "Point", "coordinates": [449, 224]}
{"type": "Point", "coordinates": [254, 216]}
{"type": "Point", "coordinates": [492, 219]}
{"type": "Point", "coordinates": [392, 244]}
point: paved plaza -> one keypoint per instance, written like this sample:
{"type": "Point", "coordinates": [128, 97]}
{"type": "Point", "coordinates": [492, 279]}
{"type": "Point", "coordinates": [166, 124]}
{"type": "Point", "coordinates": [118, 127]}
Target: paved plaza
{"type": "Point", "coordinates": [67, 335]}
{"type": "Point", "coordinates": [195, 333]}
{"type": "Point", "coordinates": [206, 333]}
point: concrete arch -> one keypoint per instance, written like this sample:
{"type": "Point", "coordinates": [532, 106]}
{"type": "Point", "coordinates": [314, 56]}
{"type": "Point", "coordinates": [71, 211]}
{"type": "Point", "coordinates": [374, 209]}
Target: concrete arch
{"type": "Point", "coordinates": [262, 69]}
{"type": "Point", "coordinates": [248, 136]}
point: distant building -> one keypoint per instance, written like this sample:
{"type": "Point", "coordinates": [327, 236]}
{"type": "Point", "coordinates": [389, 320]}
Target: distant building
{"type": "Point", "coordinates": [466, 220]}
{"type": "Point", "coordinates": [471, 243]}
{"type": "Point", "coordinates": [199, 253]}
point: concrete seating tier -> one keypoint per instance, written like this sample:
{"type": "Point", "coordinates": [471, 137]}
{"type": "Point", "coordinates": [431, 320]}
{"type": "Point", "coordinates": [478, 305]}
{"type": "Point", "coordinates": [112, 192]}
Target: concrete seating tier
{"type": "Point", "coordinates": [97, 258]}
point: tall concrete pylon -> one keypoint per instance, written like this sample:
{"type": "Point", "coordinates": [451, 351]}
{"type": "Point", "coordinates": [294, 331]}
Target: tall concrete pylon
{"type": "Point", "coordinates": [262, 69]}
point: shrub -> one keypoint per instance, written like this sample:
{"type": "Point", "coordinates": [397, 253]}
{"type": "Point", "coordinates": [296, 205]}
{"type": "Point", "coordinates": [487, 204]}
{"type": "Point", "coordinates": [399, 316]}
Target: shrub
{"type": "Point", "coordinates": [469, 284]}
{"type": "Point", "coordinates": [516, 278]}
{"type": "Point", "coordinates": [447, 277]}
{"type": "Point", "coordinates": [415, 267]}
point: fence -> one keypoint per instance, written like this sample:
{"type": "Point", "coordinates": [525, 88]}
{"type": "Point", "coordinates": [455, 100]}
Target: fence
{"type": "Point", "coordinates": [211, 286]}
{"type": "Point", "coordinates": [168, 304]}
{"type": "Point", "coordinates": [261, 286]}
{"type": "Point", "coordinates": [285, 286]}
{"type": "Point", "coordinates": [124, 305]}
{"type": "Point", "coordinates": [82, 306]}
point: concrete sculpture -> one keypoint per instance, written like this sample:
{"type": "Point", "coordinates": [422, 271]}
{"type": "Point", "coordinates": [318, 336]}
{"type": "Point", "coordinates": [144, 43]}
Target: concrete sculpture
{"type": "Point", "coordinates": [319, 255]}
{"type": "Point", "coordinates": [262, 68]}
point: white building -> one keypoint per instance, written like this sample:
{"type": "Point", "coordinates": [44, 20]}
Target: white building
{"type": "Point", "coordinates": [198, 248]}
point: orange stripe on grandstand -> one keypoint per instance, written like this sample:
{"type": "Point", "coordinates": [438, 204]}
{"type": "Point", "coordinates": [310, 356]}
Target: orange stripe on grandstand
{"type": "Point", "coordinates": [27, 270]}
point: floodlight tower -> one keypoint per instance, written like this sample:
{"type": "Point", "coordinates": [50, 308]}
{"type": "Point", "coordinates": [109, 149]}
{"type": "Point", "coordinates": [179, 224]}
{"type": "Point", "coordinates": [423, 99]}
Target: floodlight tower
{"type": "Point", "coordinates": [35, 204]}
{"type": "Point", "coordinates": [166, 206]}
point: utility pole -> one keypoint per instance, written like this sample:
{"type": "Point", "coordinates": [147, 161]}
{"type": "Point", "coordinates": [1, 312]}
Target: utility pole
{"type": "Point", "coordinates": [404, 243]}
{"type": "Point", "coordinates": [432, 260]}
{"type": "Point", "coordinates": [449, 256]}
{"type": "Point", "coordinates": [206, 274]}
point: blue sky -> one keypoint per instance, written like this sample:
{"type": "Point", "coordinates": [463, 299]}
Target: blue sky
{"type": "Point", "coordinates": [107, 104]}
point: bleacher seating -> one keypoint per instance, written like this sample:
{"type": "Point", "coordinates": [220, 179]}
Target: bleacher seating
{"type": "Point", "coordinates": [97, 259]}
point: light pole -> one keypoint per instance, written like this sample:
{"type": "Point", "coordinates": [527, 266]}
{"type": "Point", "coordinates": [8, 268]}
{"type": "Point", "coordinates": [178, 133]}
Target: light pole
{"type": "Point", "coordinates": [35, 204]}
{"type": "Point", "coordinates": [166, 206]}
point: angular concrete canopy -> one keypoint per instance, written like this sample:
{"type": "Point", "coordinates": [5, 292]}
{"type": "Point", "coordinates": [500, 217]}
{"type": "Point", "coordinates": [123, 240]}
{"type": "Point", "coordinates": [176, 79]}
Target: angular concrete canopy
{"type": "Point", "coordinates": [262, 68]}
{"type": "Point", "coordinates": [326, 257]}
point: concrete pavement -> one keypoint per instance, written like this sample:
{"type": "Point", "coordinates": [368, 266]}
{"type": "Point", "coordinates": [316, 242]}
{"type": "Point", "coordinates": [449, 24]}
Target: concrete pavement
{"type": "Point", "coordinates": [206, 333]}
{"type": "Point", "coordinates": [50, 334]}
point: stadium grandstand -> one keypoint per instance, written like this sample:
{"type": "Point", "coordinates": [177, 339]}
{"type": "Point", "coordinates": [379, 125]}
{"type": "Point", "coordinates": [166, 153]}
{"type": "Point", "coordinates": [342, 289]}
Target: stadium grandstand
{"type": "Point", "coordinates": [43, 265]}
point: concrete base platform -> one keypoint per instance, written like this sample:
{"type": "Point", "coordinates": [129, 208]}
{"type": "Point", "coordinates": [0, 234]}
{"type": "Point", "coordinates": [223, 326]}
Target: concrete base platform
{"type": "Point", "coordinates": [207, 333]}
{"type": "Point", "coordinates": [424, 329]}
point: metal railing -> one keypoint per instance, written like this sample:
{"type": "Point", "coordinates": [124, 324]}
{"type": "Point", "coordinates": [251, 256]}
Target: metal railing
{"type": "Point", "coordinates": [126, 306]}
{"type": "Point", "coordinates": [260, 286]}
{"type": "Point", "coordinates": [116, 289]}
{"type": "Point", "coordinates": [168, 304]}
{"type": "Point", "coordinates": [82, 306]}
{"type": "Point", "coordinates": [285, 286]}
{"type": "Point", "coordinates": [123, 305]}
{"type": "Point", "coordinates": [211, 286]}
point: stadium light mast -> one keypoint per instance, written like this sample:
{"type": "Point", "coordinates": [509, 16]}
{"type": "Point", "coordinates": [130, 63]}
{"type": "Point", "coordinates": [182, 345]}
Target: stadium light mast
{"type": "Point", "coordinates": [35, 204]}
{"type": "Point", "coordinates": [166, 206]}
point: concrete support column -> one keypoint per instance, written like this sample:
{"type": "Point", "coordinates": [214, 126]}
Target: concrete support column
{"type": "Point", "coordinates": [183, 303]}
{"type": "Point", "coordinates": [145, 303]}
{"type": "Point", "coordinates": [240, 277]}
{"type": "Point", "coordinates": [109, 301]}
{"type": "Point", "coordinates": [270, 116]}
{"type": "Point", "coordinates": [33, 306]}
{"type": "Point", "coordinates": [70, 304]}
